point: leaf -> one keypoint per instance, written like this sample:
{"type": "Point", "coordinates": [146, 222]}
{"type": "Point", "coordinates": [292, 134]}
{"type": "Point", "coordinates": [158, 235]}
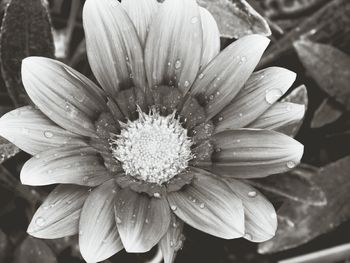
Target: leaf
{"type": "Point", "coordinates": [25, 31]}
{"type": "Point", "coordinates": [297, 185]}
{"type": "Point", "coordinates": [330, 24]}
{"type": "Point", "coordinates": [325, 114]}
{"type": "Point", "coordinates": [33, 250]}
{"type": "Point", "coordinates": [7, 150]}
{"type": "Point", "coordinates": [328, 66]}
{"type": "Point", "coordinates": [283, 8]}
{"type": "Point", "coordinates": [300, 223]}
{"type": "Point", "coordinates": [4, 246]}
{"type": "Point", "coordinates": [298, 96]}
{"type": "Point", "coordinates": [236, 18]}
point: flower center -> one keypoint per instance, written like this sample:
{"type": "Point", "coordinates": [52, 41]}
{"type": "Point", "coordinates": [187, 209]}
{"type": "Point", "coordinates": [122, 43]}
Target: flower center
{"type": "Point", "coordinates": [152, 148]}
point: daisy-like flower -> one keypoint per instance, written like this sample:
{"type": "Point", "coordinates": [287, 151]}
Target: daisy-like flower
{"type": "Point", "coordinates": [167, 138]}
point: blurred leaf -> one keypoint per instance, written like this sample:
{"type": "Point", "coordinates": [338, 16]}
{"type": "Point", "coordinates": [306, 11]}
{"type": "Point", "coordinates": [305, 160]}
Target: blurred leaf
{"type": "Point", "coordinates": [329, 67]}
{"type": "Point", "coordinates": [298, 96]}
{"type": "Point", "coordinates": [236, 18]}
{"type": "Point", "coordinates": [300, 223]}
{"type": "Point", "coordinates": [284, 8]}
{"type": "Point", "coordinates": [326, 113]}
{"type": "Point", "coordinates": [33, 250]}
{"type": "Point", "coordinates": [330, 24]}
{"type": "Point", "coordinates": [7, 150]}
{"type": "Point", "coordinates": [297, 185]}
{"type": "Point", "coordinates": [26, 31]}
{"type": "Point", "coordinates": [4, 246]}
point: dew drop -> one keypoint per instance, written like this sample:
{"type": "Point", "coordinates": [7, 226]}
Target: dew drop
{"type": "Point", "coordinates": [186, 84]}
{"type": "Point", "coordinates": [273, 95]}
{"type": "Point", "coordinates": [221, 118]}
{"type": "Point", "coordinates": [173, 207]}
{"type": "Point", "coordinates": [85, 179]}
{"type": "Point", "coordinates": [177, 64]}
{"type": "Point", "coordinates": [194, 19]}
{"type": "Point", "coordinates": [156, 195]}
{"type": "Point", "coordinates": [79, 97]}
{"type": "Point", "coordinates": [243, 59]}
{"type": "Point", "coordinates": [118, 220]}
{"type": "Point", "coordinates": [201, 76]}
{"type": "Point", "coordinates": [40, 221]}
{"type": "Point", "coordinates": [48, 134]}
{"type": "Point", "coordinates": [146, 221]}
{"type": "Point", "coordinates": [291, 164]}
{"type": "Point", "coordinates": [252, 194]}
{"type": "Point", "coordinates": [202, 205]}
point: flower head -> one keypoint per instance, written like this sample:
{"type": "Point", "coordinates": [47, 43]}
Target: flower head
{"type": "Point", "coordinates": [165, 140]}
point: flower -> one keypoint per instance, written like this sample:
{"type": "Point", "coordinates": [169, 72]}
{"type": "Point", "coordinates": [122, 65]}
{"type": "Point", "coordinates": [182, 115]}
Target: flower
{"type": "Point", "coordinates": [166, 140]}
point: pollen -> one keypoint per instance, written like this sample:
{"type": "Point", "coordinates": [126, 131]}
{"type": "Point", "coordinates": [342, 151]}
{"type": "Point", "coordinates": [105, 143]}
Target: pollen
{"type": "Point", "coordinates": [153, 148]}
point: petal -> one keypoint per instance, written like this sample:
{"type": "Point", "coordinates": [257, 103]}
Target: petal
{"type": "Point", "coordinates": [141, 220]}
{"type": "Point", "coordinates": [59, 215]}
{"type": "Point", "coordinates": [209, 205]}
{"type": "Point", "coordinates": [65, 165]}
{"type": "Point", "coordinates": [113, 47]}
{"type": "Point", "coordinates": [249, 153]}
{"type": "Point", "coordinates": [33, 132]}
{"type": "Point", "coordinates": [260, 215]}
{"type": "Point", "coordinates": [262, 89]}
{"type": "Point", "coordinates": [211, 37]}
{"type": "Point", "coordinates": [174, 45]}
{"type": "Point", "coordinates": [172, 241]}
{"type": "Point", "coordinates": [224, 76]}
{"type": "Point", "coordinates": [63, 94]}
{"type": "Point", "coordinates": [141, 13]}
{"type": "Point", "coordinates": [281, 114]}
{"type": "Point", "coordinates": [98, 233]}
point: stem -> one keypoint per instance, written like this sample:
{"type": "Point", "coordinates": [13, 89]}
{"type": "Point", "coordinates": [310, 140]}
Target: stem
{"type": "Point", "coordinates": [334, 254]}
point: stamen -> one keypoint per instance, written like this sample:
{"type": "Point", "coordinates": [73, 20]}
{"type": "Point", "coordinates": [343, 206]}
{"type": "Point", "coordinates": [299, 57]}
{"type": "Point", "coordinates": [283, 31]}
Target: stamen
{"type": "Point", "coordinates": [153, 148]}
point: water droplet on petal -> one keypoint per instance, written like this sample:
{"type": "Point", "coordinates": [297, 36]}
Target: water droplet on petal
{"type": "Point", "coordinates": [201, 76]}
{"type": "Point", "coordinates": [186, 84]}
{"type": "Point", "coordinates": [252, 194]}
{"type": "Point", "coordinates": [173, 207]}
{"type": "Point", "coordinates": [118, 220]}
{"type": "Point", "coordinates": [48, 134]}
{"type": "Point", "coordinates": [291, 164]}
{"type": "Point", "coordinates": [194, 19]}
{"type": "Point", "coordinates": [273, 95]}
{"type": "Point", "coordinates": [177, 64]}
{"type": "Point", "coordinates": [202, 205]}
{"type": "Point", "coordinates": [40, 221]}
{"type": "Point", "coordinates": [156, 195]}
{"type": "Point", "coordinates": [146, 221]}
